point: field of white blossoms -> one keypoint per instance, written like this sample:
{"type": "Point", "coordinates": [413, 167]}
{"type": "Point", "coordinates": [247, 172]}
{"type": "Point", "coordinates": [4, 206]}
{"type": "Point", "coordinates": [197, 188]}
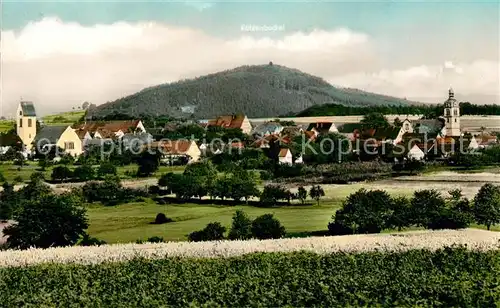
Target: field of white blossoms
{"type": "Point", "coordinates": [432, 240]}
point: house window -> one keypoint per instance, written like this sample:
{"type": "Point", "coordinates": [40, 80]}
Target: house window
{"type": "Point", "coordinates": [69, 145]}
{"type": "Point", "coordinates": [455, 112]}
{"type": "Point", "coordinates": [447, 112]}
{"type": "Point", "coordinates": [455, 120]}
{"type": "Point", "coordinates": [20, 112]}
{"type": "Point", "coordinates": [20, 122]}
{"type": "Point", "coordinates": [29, 122]}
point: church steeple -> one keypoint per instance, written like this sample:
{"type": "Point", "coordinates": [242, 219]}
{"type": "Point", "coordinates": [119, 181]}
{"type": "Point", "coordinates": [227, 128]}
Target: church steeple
{"type": "Point", "coordinates": [452, 115]}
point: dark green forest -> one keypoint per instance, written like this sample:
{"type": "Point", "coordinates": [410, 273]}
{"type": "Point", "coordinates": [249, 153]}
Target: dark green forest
{"type": "Point", "coordinates": [257, 91]}
{"type": "Point", "coordinates": [429, 111]}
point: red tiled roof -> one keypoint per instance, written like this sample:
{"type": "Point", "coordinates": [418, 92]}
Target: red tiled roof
{"type": "Point", "coordinates": [310, 134]}
{"type": "Point", "coordinates": [283, 152]}
{"type": "Point", "coordinates": [176, 147]}
{"type": "Point", "coordinates": [81, 133]}
{"type": "Point", "coordinates": [486, 139]}
{"type": "Point", "coordinates": [239, 145]}
{"type": "Point", "coordinates": [107, 127]}
{"type": "Point", "coordinates": [228, 121]}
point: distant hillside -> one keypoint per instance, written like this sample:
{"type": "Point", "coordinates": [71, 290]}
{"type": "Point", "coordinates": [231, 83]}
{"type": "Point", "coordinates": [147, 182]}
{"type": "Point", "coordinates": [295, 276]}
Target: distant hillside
{"type": "Point", "coordinates": [64, 118]}
{"type": "Point", "coordinates": [6, 125]}
{"type": "Point", "coordinates": [257, 91]}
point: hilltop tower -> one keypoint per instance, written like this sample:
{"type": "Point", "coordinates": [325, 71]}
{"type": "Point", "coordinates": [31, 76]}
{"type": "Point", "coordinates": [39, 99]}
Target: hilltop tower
{"type": "Point", "coordinates": [452, 115]}
{"type": "Point", "coordinates": [26, 123]}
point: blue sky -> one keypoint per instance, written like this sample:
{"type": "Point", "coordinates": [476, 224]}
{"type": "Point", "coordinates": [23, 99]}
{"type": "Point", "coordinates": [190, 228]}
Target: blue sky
{"type": "Point", "coordinates": [225, 17]}
{"type": "Point", "coordinates": [373, 45]}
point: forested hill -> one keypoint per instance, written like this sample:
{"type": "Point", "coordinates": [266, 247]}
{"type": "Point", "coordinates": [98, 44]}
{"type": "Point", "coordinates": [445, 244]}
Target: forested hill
{"type": "Point", "coordinates": [428, 110]}
{"type": "Point", "coordinates": [257, 91]}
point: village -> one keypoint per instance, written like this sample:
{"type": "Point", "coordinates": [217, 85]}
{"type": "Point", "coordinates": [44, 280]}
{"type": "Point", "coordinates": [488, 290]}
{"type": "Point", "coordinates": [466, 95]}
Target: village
{"type": "Point", "coordinates": [249, 154]}
{"type": "Point", "coordinates": [417, 139]}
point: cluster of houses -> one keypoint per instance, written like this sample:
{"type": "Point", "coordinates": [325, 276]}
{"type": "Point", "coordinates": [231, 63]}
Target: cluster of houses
{"type": "Point", "coordinates": [418, 137]}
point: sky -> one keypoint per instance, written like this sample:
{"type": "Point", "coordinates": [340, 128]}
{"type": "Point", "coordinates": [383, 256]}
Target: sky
{"type": "Point", "coordinates": [59, 54]}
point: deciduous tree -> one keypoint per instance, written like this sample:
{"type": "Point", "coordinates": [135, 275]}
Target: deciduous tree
{"type": "Point", "coordinates": [487, 205]}
{"type": "Point", "coordinates": [50, 221]}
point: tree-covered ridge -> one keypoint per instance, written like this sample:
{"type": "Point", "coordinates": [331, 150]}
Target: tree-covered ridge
{"type": "Point", "coordinates": [257, 91]}
{"type": "Point", "coordinates": [429, 111]}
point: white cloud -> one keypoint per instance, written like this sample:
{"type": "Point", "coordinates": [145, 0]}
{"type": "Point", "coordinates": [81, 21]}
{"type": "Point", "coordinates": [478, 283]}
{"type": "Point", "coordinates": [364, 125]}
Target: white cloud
{"type": "Point", "coordinates": [59, 65]}
{"type": "Point", "coordinates": [315, 40]}
{"type": "Point", "coordinates": [430, 82]}
{"type": "Point", "coordinates": [200, 6]}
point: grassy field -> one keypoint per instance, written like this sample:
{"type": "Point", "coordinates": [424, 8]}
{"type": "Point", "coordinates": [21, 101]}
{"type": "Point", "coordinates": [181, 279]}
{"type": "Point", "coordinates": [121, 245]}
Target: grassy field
{"type": "Point", "coordinates": [10, 171]}
{"type": "Point", "coordinates": [6, 125]}
{"type": "Point", "coordinates": [64, 118]}
{"type": "Point", "coordinates": [130, 222]}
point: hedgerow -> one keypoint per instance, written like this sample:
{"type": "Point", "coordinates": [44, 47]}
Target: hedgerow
{"type": "Point", "coordinates": [449, 277]}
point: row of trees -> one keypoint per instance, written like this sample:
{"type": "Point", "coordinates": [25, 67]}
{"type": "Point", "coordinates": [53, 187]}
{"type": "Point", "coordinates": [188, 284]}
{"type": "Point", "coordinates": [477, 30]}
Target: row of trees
{"type": "Point", "coordinates": [111, 192]}
{"type": "Point", "coordinates": [83, 173]}
{"type": "Point", "coordinates": [373, 211]}
{"type": "Point", "coordinates": [429, 111]}
{"type": "Point", "coordinates": [242, 228]}
{"type": "Point", "coordinates": [201, 179]}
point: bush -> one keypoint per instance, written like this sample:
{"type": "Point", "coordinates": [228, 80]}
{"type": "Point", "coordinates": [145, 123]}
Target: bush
{"type": "Point", "coordinates": [154, 190]}
{"type": "Point", "coordinates": [267, 227]}
{"type": "Point", "coordinates": [37, 176]}
{"type": "Point", "coordinates": [273, 193]}
{"type": "Point", "coordinates": [364, 212]}
{"type": "Point", "coordinates": [111, 192]}
{"type": "Point", "coordinates": [428, 208]}
{"type": "Point", "coordinates": [106, 169]}
{"type": "Point", "coordinates": [338, 228]}
{"type": "Point", "coordinates": [66, 159]}
{"type": "Point", "coordinates": [155, 239]}
{"type": "Point", "coordinates": [241, 228]}
{"type": "Point", "coordinates": [197, 236]}
{"type": "Point", "coordinates": [214, 231]}
{"type": "Point", "coordinates": [18, 179]}
{"type": "Point", "coordinates": [162, 219]}
{"type": "Point", "coordinates": [148, 163]}
{"type": "Point", "coordinates": [61, 173]}
{"type": "Point", "coordinates": [402, 215]}
{"type": "Point", "coordinates": [266, 175]}
{"type": "Point", "coordinates": [84, 173]}
{"type": "Point", "coordinates": [88, 240]}
{"type": "Point", "coordinates": [288, 171]}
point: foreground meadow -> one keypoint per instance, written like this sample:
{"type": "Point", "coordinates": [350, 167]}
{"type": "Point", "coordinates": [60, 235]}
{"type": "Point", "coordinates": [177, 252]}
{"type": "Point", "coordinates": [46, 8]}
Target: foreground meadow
{"type": "Point", "coordinates": [416, 269]}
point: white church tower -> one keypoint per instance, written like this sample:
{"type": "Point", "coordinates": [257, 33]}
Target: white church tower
{"type": "Point", "coordinates": [26, 123]}
{"type": "Point", "coordinates": [452, 115]}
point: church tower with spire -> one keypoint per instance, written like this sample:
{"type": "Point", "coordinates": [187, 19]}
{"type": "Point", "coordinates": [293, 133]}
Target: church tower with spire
{"type": "Point", "coordinates": [452, 115]}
